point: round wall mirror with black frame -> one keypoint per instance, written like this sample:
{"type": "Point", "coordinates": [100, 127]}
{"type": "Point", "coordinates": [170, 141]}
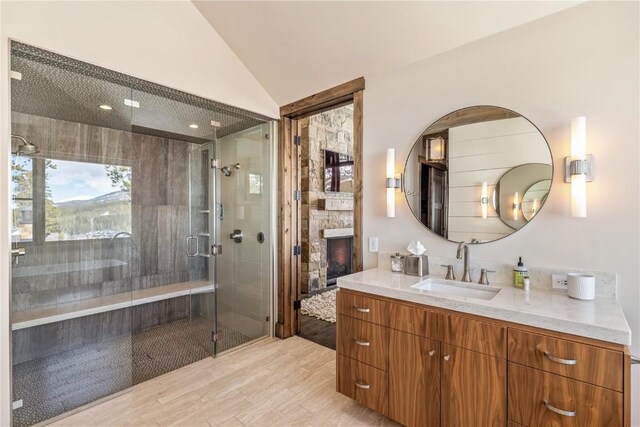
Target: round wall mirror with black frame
{"type": "Point", "coordinates": [478, 174]}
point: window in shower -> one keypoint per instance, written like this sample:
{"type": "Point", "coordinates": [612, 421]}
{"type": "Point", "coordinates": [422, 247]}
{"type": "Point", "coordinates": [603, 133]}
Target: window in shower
{"type": "Point", "coordinates": [22, 202]}
{"type": "Point", "coordinates": [58, 200]}
{"type": "Point", "coordinates": [86, 200]}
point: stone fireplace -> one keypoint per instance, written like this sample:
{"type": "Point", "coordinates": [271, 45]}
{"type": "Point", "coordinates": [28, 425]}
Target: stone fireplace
{"type": "Point", "coordinates": [324, 215]}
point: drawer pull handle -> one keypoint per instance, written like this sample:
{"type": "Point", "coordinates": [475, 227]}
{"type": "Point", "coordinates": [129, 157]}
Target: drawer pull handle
{"type": "Point", "coordinates": [362, 343]}
{"type": "Point", "coordinates": [360, 309]}
{"type": "Point", "coordinates": [362, 385]}
{"type": "Point", "coordinates": [446, 358]}
{"type": "Point", "coordinates": [559, 411]}
{"type": "Point", "coordinates": [432, 352]}
{"type": "Point", "coordinates": [560, 360]}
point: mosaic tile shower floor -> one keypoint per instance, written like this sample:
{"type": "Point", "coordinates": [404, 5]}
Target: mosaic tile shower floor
{"type": "Point", "coordinates": [52, 385]}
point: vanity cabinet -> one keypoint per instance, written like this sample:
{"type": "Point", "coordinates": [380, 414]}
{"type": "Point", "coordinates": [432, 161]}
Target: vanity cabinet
{"type": "Point", "coordinates": [442, 369]}
{"type": "Point", "coordinates": [426, 366]}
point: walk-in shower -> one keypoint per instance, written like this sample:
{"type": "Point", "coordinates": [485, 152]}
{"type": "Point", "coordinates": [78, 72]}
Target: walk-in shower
{"type": "Point", "coordinates": [124, 268]}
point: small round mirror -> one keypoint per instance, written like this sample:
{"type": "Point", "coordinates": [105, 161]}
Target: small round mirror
{"type": "Point", "coordinates": [478, 174]}
{"type": "Point", "coordinates": [535, 197]}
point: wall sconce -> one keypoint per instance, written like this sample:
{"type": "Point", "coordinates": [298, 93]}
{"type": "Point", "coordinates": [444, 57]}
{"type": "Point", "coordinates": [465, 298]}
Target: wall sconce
{"type": "Point", "coordinates": [393, 184]}
{"type": "Point", "coordinates": [516, 205]}
{"type": "Point", "coordinates": [436, 149]}
{"type": "Point", "coordinates": [578, 169]}
{"type": "Point", "coordinates": [484, 201]}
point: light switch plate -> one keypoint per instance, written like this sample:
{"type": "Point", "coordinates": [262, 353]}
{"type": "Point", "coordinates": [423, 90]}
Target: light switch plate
{"type": "Point", "coordinates": [559, 281]}
{"type": "Point", "coordinates": [373, 244]}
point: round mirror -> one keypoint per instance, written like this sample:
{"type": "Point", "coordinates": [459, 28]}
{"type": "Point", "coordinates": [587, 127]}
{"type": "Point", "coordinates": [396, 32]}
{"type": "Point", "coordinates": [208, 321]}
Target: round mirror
{"type": "Point", "coordinates": [478, 174]}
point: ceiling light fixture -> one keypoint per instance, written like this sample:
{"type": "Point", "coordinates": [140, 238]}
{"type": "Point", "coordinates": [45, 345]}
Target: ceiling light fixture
{"type": "Point", "coordinates": [106, 107]}
{"type": "Point", "coordinates": [131, 103]}
{"type": "Point", "coordinates": [193, 126]}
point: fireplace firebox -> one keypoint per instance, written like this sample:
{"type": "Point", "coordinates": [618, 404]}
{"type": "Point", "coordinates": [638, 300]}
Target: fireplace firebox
{"type": "Point", "coordinates": [339, 257]}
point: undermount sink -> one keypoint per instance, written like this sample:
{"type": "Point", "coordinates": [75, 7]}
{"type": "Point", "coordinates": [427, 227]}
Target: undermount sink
{"type": "Point", "coordinates": [457, 289]}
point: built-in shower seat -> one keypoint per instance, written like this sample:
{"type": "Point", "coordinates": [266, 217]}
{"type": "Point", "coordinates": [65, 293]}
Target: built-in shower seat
{"type": "Point", "coordinates": [71, 310]}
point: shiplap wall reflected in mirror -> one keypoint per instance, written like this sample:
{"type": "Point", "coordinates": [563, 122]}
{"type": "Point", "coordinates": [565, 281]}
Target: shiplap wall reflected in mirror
{"type": "Point", "coordinates": [451, 160]}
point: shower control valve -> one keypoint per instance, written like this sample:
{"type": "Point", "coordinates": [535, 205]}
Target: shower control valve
{"type": "Point", "coordinates": [236, 236]}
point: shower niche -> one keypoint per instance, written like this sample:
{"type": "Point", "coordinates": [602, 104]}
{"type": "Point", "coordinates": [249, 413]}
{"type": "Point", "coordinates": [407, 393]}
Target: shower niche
{"type": "Point", "coordinates": [122, 266]}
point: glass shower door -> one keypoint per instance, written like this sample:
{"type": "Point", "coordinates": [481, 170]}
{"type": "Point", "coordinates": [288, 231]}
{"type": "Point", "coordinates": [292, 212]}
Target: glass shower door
{"type": "Point", "coordinates": [243, 267]}
{"type": "Point", "coordinates": [199, 246]}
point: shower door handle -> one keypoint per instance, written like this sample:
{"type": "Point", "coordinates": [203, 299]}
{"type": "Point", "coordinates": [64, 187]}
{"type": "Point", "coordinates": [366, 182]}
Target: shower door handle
{"type": "Point", "coordinates": [189, 239]}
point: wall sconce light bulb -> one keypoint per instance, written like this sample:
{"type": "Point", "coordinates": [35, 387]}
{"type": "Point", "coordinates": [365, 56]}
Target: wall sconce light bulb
{"type": "Point", "coordinates": [484, 201]}
{"type": "Point", "coordinates": [391, 183]}
{"type": "Point", "coordinates": [579, 167]}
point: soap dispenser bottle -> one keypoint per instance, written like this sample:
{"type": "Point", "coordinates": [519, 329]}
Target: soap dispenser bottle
{"type": "Point", "coordinates": [519, 273]}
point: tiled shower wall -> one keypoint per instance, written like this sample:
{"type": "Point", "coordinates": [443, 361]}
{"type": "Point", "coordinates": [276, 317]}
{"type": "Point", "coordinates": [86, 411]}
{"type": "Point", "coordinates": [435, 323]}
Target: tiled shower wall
{"type": "Point", "coordinates": [155, 255]}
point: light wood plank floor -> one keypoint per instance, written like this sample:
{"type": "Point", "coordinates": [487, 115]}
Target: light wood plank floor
{"type": "Point", "coordinates": [272, 382]}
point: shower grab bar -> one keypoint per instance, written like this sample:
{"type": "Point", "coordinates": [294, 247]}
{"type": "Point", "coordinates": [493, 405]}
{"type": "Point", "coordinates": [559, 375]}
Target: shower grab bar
{"type": "Point", "coordinates": [189, 239]}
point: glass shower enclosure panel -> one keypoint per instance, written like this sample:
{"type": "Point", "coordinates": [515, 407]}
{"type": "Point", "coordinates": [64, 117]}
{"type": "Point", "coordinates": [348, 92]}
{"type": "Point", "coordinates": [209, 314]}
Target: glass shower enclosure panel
{"type": "Point", "coordinates": [243, 276]}
{"type": "Point", "coordinates": [72, 239]}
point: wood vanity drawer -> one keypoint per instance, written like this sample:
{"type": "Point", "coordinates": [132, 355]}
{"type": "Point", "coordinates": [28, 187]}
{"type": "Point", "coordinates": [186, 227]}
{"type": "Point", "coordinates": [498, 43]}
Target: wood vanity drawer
{"type": "Point", "coordinates": [363, 383]}
{"type": "Point", "coordinates": [363, 341]}
{"type": "Point", "coordinates": [417, 321]}
{"type": "Point", "coordinates": [362, 307]}
{"type": "Point", "coordinates": [568, 402]}
{"type": "Point", "coordinates": [583, 362]}
{"type": "Point", "coordinates": [484, 337]}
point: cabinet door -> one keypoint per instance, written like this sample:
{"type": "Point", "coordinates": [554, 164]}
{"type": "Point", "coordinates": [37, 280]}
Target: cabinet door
{"type": "Point", "coordinates": [474, 388]}
{"type": "Point", "coordinates": [414, 380]}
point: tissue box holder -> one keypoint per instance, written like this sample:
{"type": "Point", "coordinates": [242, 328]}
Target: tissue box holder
{"type": "Point", "coordinates": [416, 265]}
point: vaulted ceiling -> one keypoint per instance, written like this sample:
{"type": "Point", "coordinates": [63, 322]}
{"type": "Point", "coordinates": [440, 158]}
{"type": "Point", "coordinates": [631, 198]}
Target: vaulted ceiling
{"type": "Point", "coordinates": [296, 49]}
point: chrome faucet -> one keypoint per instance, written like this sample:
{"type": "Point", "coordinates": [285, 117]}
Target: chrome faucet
{"type": "Point", "coordinates": [463, 253]}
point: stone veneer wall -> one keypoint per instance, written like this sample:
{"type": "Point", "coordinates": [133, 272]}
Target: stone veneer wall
{"type": "Point", "coordinates": [331, 130]}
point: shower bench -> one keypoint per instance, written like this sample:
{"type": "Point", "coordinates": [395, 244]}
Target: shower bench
{"type": "Point", "coordinates": [86, 307]}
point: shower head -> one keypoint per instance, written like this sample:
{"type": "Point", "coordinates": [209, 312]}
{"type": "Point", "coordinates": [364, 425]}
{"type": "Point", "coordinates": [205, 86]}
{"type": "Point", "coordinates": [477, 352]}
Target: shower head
{"type": "Point", "coordinates": [228, 170]}
{"type": "Point", "coordinates": [26, 148]}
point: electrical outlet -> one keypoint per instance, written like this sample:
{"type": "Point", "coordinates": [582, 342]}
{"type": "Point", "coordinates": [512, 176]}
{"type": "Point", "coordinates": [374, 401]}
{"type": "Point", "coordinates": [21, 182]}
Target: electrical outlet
{"type": "Point", "coordinates": [559, 281]}
{"type": "Point", "coordinates": [17, 404]}
{"type": "Point", "coordinates": [373, 244]}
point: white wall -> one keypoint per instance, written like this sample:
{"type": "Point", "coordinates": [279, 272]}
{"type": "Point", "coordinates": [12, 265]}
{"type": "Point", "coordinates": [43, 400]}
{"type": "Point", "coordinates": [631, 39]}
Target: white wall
{"type": "Point", "coordinates": [169, 43]}
{"type": "Point", "coordinates": [582, 61]}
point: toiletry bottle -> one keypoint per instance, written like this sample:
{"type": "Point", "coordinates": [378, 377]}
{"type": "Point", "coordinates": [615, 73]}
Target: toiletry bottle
{"type": "Point", "coordinates": [519, 273]}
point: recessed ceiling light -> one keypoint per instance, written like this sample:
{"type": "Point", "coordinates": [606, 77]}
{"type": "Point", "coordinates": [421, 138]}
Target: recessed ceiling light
{"type": "Point", "coordinates": [131, 103]}
{"type": "Point", "coordinates": [106, 107]}
{"type": "Point", "coordinates": [193, 126]}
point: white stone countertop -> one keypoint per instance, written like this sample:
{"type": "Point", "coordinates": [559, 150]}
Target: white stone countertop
{"type": "Point", "coordinates": [600, 319]}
